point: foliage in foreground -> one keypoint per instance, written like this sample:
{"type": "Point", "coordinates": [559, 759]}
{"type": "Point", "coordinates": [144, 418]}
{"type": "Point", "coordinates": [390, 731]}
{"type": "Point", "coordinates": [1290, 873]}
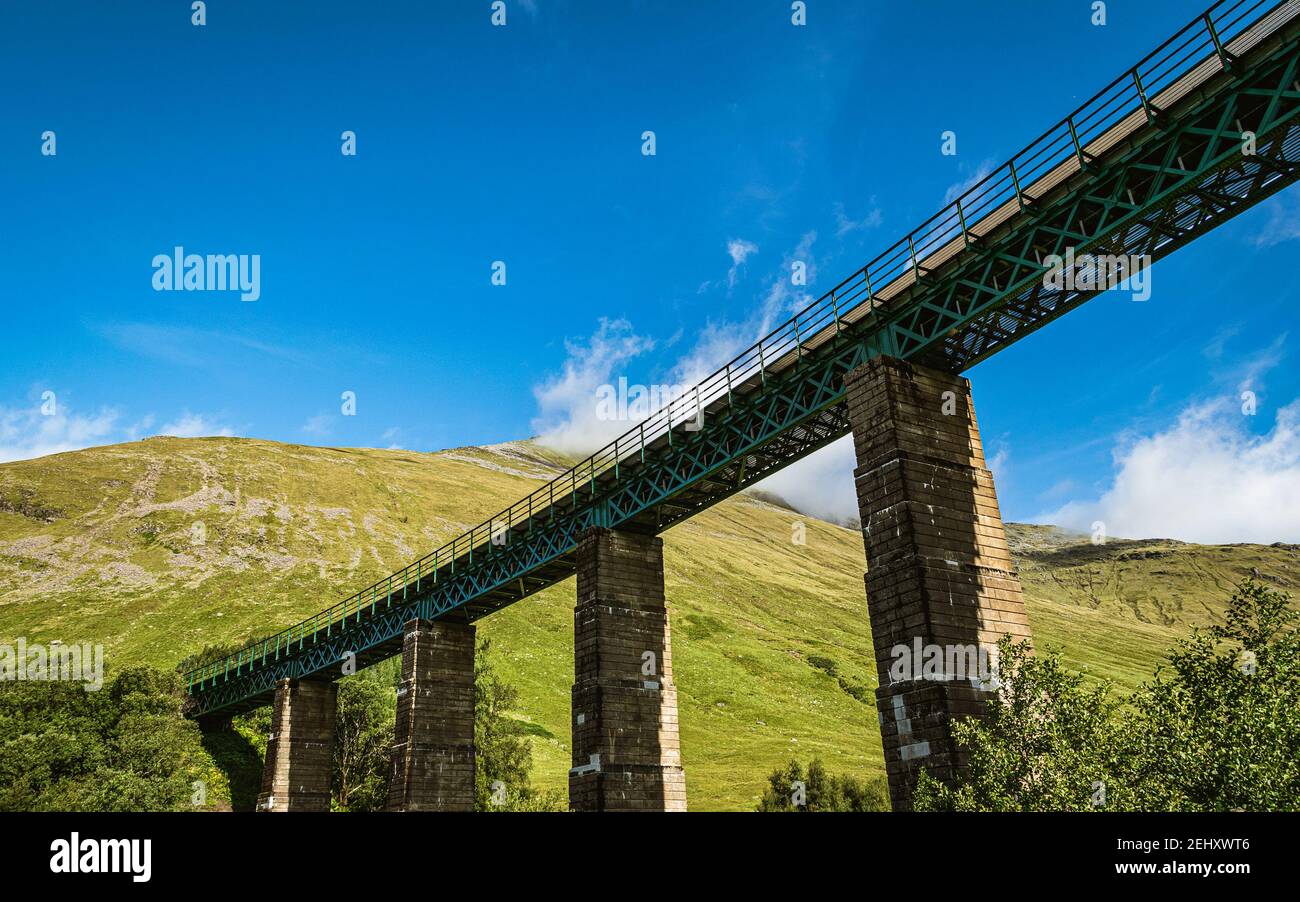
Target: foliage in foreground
{"type": "Point", "coordinates": [364, 740]}
{"type": "Point", "coordinates": [128, 747]}
{"type": "Point", "coordinates": [123, 748]}
{"type": "Point", "coordinates": [791, 789]}
{"type": "Point", "coordinates": [1218, 729]}
{"type": "Point", "coordinates": [504, 756]}
{"type": "Point", "coordinates": [363, 743]}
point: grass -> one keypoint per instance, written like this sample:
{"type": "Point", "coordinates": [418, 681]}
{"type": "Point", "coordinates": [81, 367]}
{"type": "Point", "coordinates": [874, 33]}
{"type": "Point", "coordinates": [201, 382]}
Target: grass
{"type": "Point", "coordinates": [772, 649]}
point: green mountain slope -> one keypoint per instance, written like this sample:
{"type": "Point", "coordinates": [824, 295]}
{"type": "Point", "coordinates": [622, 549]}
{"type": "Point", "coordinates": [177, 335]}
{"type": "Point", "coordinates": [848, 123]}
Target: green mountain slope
{"type": "Point", "coordinates": [160, 547]}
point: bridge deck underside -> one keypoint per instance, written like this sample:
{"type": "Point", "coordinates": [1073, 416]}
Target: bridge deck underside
{"type": "Point", "coordinates": [1165, 176]}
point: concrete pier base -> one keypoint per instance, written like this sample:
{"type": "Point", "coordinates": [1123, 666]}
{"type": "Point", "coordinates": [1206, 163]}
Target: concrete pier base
{"type": "Point", "coordinates": [626, 749]}
{"type": "Point", "coordinates": [433, 745]}
{"type": "Point", "coordinates": [940, 578]}
{"type": "Point", "coordinates": [300, 752]}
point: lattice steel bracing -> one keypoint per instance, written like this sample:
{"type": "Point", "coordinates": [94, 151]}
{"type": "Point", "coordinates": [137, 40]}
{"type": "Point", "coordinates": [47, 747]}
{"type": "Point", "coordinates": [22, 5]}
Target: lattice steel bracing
{"type": "Point", "coordinates": [1153, 162]}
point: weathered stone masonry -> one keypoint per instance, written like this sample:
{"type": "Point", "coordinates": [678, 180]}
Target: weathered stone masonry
{"type": "Point", "coordinates": [938, 567]}
{"type": "Point", "coordinates": [433, 742]}
{"type": "Point", "coordinates": [626, 751]}
{"type": "Point", "coordinates": [300, 751]}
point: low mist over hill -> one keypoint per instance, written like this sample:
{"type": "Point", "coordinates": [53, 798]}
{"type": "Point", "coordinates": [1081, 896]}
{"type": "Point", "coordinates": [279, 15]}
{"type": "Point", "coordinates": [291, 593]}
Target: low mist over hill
{"type": "Point", "coordinates": [158, 548]}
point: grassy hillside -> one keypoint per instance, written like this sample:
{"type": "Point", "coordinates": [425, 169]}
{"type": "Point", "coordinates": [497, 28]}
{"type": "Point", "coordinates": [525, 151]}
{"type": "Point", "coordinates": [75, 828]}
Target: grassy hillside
{"type": "Point", "coordinates": [103, 546]}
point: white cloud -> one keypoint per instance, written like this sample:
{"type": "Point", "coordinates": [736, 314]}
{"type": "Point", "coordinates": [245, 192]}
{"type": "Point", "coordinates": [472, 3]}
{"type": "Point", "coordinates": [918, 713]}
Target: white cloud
{"type": "Point", "coordinates": [739, 250]}
{"type": "Point", "coordinates": [567, 418]}
{"type": "Point", "coordinates": [1205, 479]}
{"type": "Point", "coordinates": [194, 425]}
{"type": "Point", "coordinates": [320, 425]}
{"type": "Point", "coordinates": [1246, 374]}
{"type": "Point", "coordinates": [722, 341]}
{"type": "Point", "coordinates": [844, 225]}
{"type": "Point", "coordinates": [26, 432]}
{"type": "Point", "coordinates": [821, 484]}
{"type": "Point", "coordinates": [1062, 488]}
{"type": "Point", "coordinates": [1215, 347]}
{"type": "Point", "coordinates": [140, 429]}
{"type": "Point", "coordinates": [1283, 220]}
{"type": "Point", "coordinates": [998, 465]}
{"type": "Point", "coordinates": [184, 346]}
{"type": "Point", "coordinates": [960, 188]}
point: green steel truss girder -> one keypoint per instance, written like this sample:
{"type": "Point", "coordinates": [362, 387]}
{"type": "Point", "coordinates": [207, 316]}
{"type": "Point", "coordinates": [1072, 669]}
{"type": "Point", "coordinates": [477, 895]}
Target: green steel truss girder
{"type": "Point", "coordinates": [376, 635]}
{"type": "Point", "coordinates": [1175, 207]}
{"type": "Point", "coordinates": [1142, 198]}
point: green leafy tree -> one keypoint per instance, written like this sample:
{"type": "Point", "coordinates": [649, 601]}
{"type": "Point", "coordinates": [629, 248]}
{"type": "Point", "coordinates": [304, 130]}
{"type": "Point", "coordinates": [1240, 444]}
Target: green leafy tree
{"type": "Point", "coordinates": [363, 742]}
{"type": "Point", "coordinates": [1220, 729]}
{"type": "Point", "coordinates": [124, 748]}
{"type": "Point", "coordinates": [504, 755]}
{"type": "Point", "coordinates": [790, 789]}
{"type": "Point", "coordinates": [1046, 741]}
{"type": "Point", "coordinates": [780, 792]}
{"type": "Point", "coordinates": [364, 739]}
{"type": "Point", "coordinates": [1217, 729]}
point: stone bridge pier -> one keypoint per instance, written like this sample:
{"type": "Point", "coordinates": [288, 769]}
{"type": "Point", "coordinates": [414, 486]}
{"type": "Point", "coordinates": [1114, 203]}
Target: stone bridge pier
{"type": "Point", "coordinates": [300, 750]}
{"type": "Point", "coordinates": [433, 747]}
{"type": "Point", "coordinates": [940, 578]}
{"type": "Point", "coordinates": [626, 752]}
{"type": "Point", "coordinates": [433, 743]}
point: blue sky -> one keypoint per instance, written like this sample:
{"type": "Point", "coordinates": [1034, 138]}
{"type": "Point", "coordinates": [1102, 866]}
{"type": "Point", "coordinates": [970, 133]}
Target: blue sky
{"type": "Point", "coordinates": [523, 144]}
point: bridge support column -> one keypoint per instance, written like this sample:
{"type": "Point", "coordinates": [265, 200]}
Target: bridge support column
{"type": "Point", "coordinates": [300, 752]}
{"type": "Point", "coordinates": [433, 743]}
{"type": "Point", "coordinates": [626, 752]}
{"type": "Point", "coordinates": [940, 578]}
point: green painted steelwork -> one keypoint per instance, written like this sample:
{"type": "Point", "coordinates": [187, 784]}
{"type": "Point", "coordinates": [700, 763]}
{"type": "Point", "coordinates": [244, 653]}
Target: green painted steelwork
{"type": "Point", "coordinates": [1150, 163]}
